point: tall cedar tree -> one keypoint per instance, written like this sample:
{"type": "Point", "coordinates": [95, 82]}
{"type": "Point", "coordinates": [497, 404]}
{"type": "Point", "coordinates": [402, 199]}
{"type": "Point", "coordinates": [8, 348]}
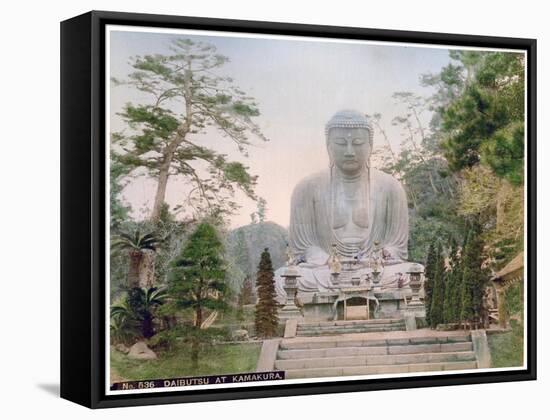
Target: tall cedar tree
{"type": "Point", "coordinates": [474, 278]}
{"type": "Point", "coordinates": [266, 319]}
{"type": "Point", "coordinates": [450, 286]}
{"type": "Point", "coordinates": [438, 293]}
{"type": "Point", "coordinates": [458, 272]}
{"type": "Point", "coordinates": [197, 278]}
{"type": "Point", "coordinates": [429, 281]}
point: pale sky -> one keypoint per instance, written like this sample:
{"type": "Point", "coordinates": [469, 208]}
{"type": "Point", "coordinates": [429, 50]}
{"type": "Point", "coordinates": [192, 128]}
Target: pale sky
{"type": "Point", "coordinates": [298, 85]}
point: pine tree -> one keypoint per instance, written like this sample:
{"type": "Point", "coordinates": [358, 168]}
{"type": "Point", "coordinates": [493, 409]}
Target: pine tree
{"type": "Point", "coordinates": [429, 281]}
{"type": "Point", "coordinates": [266, 319]}
{"type": "Point", "coordinates": [197, 278]}
{"type": "Point", "coordinates": [474, 279]}
{"type": "Point", "coordinates": [438, 293]}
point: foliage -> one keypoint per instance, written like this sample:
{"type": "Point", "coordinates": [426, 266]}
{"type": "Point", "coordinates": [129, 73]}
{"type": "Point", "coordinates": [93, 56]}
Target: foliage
{"type": "Point", "coordinates": [136, 312]}
{"type": "Point", "coordinates": [135, 241]}
{"type": "Point", "coordinates": [486, 122]}
{"type": "Point", "coordinates": [119, 211]}
{"type": "Point", "coordinates": [266, 319]}
{"type": "Point", "coordinates": [513, 300]}
{"type": "Point", "coordinates": [467, 162]}
{"type": "Point", "coordinates": [172, 233]}
{"type": "Point", "coordinates": [453, 289]}
{"type": "Point", "coordinates": [124, 328]}
{"type": "Point", "coordinates": [438, 293]}
{"type": "Point", "coordinates": [186, 99]}
{"type": "Point", "coordinates": [499, 206]}
{"type": "Point", "coordinates": [197, 279]}
{"type": "Point", "coordinates": [429, 276]}
{"type": "Point", "coordinates": [474, 277]}
{"type": "Point", "coordinates": [135, 244]}
{"type": "Point", "coordinates": [424, 172]}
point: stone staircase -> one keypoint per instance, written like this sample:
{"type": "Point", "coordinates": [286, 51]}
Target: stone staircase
{"type": "Point", "coordinates": [374, 353]}
{"type": "Point", "coordinates": [348, 327]}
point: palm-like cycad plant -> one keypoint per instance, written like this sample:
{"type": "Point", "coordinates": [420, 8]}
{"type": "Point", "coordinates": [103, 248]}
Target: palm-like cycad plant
{"type": "Point", "coordinates": [124, 325]}
{"type": "Point", "coordinates": [137, 311]}
{"type": "Point", "coordinates": [135, 244]}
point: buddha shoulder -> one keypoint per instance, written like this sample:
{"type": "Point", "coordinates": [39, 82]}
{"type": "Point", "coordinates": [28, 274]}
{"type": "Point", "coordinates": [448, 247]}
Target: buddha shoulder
{"type": "Point", "coordinates": [311, 184]}
{"type": "Point", "coordinates": [383, 182]}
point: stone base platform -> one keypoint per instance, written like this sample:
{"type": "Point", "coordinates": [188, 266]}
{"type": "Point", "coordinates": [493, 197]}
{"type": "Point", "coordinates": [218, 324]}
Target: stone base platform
{"type": "Point", "coordinates": [358, 303]}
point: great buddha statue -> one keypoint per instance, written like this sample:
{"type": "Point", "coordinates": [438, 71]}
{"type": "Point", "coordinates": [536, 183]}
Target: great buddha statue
{"type": "Point", "coordinates": [349, 215]}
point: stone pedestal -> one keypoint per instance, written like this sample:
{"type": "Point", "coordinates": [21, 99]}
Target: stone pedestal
{"type": "Point", "coordinates": [387, 304]}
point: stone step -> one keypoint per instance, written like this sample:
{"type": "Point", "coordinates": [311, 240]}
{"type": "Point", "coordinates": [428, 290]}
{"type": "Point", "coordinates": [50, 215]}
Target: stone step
{"type": "Point", "coordinates": [339, 331]}
{"type": "Point", "coordinates": [328, 372]}
{"type": "Point", "coordinates": [338, 350]}
{"type": "Point", "coordinates": [329, 342]}
{"type": "Point", "coordinates": [375, 360]}
{"type": "Point", "coordinates": [348, 327]}
{"type": "Point", "coordinates": [354, 322]}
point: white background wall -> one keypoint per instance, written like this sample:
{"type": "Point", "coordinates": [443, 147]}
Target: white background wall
{"type": "Point", "coordinates": [29, 215]}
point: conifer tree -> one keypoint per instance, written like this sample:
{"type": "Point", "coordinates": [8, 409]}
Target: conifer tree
{"type": "Point", "coordinates": [197, 279]}
{"type": "Point", "coordinates": [429, 281]}
{"type": "Point", "coordinates": [474, 278]}
{"type": "Point", "coordinates": [182, 97]}
{"type": "Point", "coordinates": [266, 319]}
{"type": "Point", "coordinates": [458, 271]}
{"type": "Point", "coordinates": [438, 293]}
{"type": "Point", "coordinates": [450, 286]}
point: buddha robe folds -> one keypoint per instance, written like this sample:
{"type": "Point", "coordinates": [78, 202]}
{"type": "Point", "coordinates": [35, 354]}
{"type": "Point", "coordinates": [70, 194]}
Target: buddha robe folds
{"type": "Point", "coordinates": [354, 216]}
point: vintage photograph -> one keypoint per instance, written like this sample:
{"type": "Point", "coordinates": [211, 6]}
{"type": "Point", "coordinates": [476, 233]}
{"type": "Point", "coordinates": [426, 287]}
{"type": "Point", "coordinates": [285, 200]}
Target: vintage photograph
{"type": "Point", "coordinates": [291, 209]}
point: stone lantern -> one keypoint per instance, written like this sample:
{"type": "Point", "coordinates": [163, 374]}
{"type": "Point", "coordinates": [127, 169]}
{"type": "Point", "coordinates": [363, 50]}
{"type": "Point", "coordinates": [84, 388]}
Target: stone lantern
{"type": "Point", "coordinates": [415, 274]}
{"type": "Point", "coordinates": [290, 310]}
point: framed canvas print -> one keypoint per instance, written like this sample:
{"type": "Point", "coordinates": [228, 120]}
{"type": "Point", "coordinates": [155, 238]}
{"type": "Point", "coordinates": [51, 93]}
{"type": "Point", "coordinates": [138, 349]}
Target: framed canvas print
{"type": "Point", "coordinates": [254, 209]}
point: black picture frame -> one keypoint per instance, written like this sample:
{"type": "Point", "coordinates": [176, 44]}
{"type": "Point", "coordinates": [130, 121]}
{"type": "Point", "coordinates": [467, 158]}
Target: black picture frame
{"type": "Point", "coordinates": [83, 207]}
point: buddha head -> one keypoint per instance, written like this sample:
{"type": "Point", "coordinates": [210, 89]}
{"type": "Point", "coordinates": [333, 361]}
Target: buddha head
{"type": "Point", "coordinates": [349, 141]}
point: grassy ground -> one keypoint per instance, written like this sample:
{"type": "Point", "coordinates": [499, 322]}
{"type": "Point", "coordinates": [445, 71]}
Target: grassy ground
{"type": "Point", "coordinates": [507, 348]}
{"type": "Point", "coordinates": [214, 360]}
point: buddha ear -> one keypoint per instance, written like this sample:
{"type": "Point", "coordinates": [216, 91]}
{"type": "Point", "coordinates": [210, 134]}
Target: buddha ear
{"type": "Point", "coordinates": [329, 151]}
{"type": "Point", "coordinates": [371, 137]}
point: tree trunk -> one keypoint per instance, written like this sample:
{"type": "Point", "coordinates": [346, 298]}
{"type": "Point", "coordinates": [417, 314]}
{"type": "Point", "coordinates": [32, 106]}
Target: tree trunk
{"type": "Point", "coordinates": [161, 189]}
{"type": "Point", "coordinates": [133, 269]}
{"type": "Point", "coordinates": [147, 269]}
{"type": "Point", "coordinates": [198, 317]}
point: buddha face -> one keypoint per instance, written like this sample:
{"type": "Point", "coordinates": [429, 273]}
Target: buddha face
{"type": "Point", "coordinates": [349, 148]}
